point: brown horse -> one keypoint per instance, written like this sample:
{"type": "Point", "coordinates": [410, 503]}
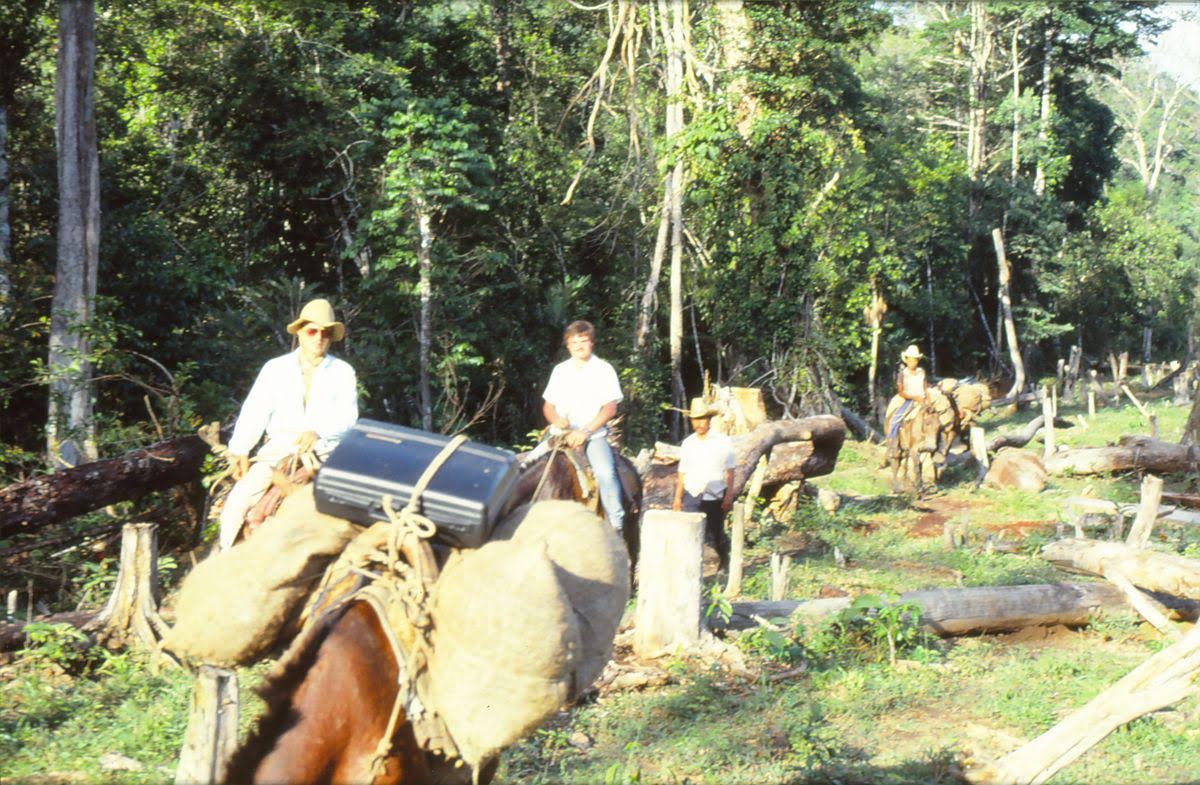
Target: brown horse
{"type": "Point", "coordinates": [328, 709]}
{"type": "Point", "coordinates": [918, 436]}
{"type": "Point", "coordinates": [329, 706]}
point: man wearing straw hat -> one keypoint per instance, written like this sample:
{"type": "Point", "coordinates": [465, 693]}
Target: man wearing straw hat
{"type": "Point", "coordinates": [705, 478]}
{"type": "Point", "coordinates": [303, 402]}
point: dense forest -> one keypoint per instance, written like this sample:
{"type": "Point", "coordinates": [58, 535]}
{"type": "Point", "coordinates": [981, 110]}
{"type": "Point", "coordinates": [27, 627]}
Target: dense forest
{"type": "Point", "coordinates": [748, 191]}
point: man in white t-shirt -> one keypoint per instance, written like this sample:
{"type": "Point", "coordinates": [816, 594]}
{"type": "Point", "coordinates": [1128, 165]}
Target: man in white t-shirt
{"type": "Point", "coordinates": [303, 402]}
{"type": "Point", "coordinates": [705, 478]}
{"type": "Point", "coordinates": [580, 398]}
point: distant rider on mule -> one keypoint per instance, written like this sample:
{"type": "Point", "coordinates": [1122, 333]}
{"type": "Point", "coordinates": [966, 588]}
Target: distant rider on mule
{"type": "Point", "coordinates": [303, 401]}
{"type": "Point", "coordinates": [580, 398]}
{"type": "Point", "coordinates": [911, 387]}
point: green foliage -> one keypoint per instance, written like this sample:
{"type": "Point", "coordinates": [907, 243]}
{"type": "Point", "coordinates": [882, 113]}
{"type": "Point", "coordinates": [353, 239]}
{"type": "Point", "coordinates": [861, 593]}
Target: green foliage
{"type": "Point", "coordinates": [55, 644]}
{"type": "Point", "coordinates": [872, 627]}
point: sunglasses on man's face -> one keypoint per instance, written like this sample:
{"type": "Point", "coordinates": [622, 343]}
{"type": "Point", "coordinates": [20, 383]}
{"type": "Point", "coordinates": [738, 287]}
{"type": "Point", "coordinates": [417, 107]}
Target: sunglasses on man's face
{"type": "Point", "coordinates": [312, 331]}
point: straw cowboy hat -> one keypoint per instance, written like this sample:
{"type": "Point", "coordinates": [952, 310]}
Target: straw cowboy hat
{"type": "Point", "coordinates": [700, 409]}
{"type": "Point", "coordinates": [320, 313]}
{"type": "Point", "coordinates": [911, 351]}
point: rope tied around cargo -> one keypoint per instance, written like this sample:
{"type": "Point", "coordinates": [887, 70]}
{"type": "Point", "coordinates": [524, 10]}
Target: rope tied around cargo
{"type": "Point", "coordinates": [408, 527]}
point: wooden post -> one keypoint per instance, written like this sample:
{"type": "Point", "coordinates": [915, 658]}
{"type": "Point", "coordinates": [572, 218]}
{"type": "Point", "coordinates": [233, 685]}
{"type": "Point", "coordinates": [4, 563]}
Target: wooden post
{"type": "Point", "coordinates": [1048, 423]}
{"type": "Point", "coordinates": [131, 614]}
{"type": "Point", "coordinates": [1139, 533]}
{"type": "Point", "coordinates": [668, 608]}
{"type": "Point", "coordinates": [780, 564]}
{"type": "Point", "coordinates": [737, 536]}
{"type": "Point", "coordinates": [754, 488]}
{"type": "Point", "coordinates": [1150, 418]}
{"type": "Point", "coordinates": [978, 440]}
{"type": "Point", "coordinates": [1054, 401]}
{"type": "Point", "coordinates": [211, 736]}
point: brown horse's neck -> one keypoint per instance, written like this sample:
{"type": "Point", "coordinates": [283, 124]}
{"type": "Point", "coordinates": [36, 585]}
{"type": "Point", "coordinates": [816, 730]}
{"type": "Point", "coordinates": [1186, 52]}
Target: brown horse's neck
{"type": "Point", "coordinates": [327, 709]}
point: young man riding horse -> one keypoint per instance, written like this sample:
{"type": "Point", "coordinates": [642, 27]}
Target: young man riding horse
{"type": "Point", "coordinates": [580, 398]}
{"type": "Point", "coordinates": [303, 401]}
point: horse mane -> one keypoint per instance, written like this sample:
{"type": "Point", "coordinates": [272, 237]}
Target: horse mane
{"type": "Point", "coordinates": [276, 690]}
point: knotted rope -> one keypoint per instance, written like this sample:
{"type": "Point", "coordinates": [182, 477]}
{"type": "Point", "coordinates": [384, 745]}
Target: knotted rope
{"type": "Point", "coordinates": [410, 583]}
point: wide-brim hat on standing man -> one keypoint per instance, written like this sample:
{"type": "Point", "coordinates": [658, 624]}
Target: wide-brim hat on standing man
{"type": "Point", "coordinates": [911, 351]}
{"type": "Point", "coordinates": [320, 313]}
{"type": "Point", "coordinates": [701, 409]}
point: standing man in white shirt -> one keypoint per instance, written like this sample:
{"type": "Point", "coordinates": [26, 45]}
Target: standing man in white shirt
{"type": "Point", "coordinates": [303, 401]}
{"type": "Point", "coordinates": [580, 398]}
{"type": "Point", "coordinates": [704, 482]}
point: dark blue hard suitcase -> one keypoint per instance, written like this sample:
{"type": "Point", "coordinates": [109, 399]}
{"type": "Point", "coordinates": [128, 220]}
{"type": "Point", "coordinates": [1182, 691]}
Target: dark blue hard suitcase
{"type": "Point", "coordinates": [464, 499]}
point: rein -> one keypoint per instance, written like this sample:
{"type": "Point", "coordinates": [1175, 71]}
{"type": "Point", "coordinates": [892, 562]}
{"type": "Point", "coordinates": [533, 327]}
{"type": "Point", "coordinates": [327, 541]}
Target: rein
{"type": "Point", "coordinates": [587, 483]}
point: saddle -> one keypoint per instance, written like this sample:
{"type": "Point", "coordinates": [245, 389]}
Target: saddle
{"type": "Point", "coordinates": [589, 489]}
{"type": "Point", "coordinates": [290, 473]}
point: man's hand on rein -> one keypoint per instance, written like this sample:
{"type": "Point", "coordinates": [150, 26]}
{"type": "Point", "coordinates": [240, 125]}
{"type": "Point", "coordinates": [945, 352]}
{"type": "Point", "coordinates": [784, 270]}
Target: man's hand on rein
{"type": "Point", "coordinates": [305, 441]}
{"type": "Point", "coordinates": [240, 465]}
{"type": "Point", "coordinates": [577, 437]}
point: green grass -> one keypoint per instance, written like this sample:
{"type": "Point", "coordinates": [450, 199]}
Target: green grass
{"type": "Point", "coordinates": [850, 717]}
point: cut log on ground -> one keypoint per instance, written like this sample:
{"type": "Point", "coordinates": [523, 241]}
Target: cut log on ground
{"type": "Point", "coordinates": [45, 499]}
{"type": "Point", "coordinates": [1133, 453]}
{"type": "Point", "coordinates": [1168, 573]}
{"type": "Point", "coordinates": [1165, 678]}
{"type": "Point", "coordinates": [861, 429]}
{"type": "Point", "coordinates": [950, 612]}
{"type": "Point", "coordinates": [814, 454]}
{"type": "Point", "coordinates": [12, 636]}
{"type": "Point", "coordinates": [1189, 500]}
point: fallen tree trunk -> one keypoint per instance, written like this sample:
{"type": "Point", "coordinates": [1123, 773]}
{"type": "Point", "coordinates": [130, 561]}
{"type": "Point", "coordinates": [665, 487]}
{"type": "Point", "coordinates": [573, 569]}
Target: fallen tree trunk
{"type": "Point", "coordinates": [12, 636]}
{"type": "Point", "coordinates": [1133, 453]}
{"type": "Point", "coordinates": [28, 506]}
{"type": "Point", "coordinates": [950, 612]}
{"type": "Point", "coordinates": [798, 449]}
{"type": "Point", "coordinates": [1168, 573]}
{"type": "Point", "coordinates": [1165, 678]}
{"type": "Point", "coordinates": [861, 429]}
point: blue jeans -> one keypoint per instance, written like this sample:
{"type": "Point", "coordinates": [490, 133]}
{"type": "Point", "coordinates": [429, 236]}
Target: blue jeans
{"type": "Point", "coordinates": [898, 418]}
{"type": "Point", "coordinates": [600, 455]}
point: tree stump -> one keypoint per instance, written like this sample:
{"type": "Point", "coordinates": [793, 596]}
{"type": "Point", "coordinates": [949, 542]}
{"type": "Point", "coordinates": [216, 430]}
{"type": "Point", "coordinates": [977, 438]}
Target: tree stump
{"type": "Point", "coordinates": [670, 573]}
{"type": "Point", "coordinates": [780, 564]}
{"type": "Point", "coordinates": [211, 736]}
{"type": "Point", "coordinates": [131, 615]}
{"type": "Point", "coordinates": [733, 587]}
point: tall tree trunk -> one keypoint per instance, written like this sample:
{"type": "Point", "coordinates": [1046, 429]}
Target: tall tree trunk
{"type": "Point", "coordinates": [1039, 178]}
{"type": "Point", "coordinates": [641, 332]}
{"type": "Point", "coordinates": [735, 42]}
{"type": "Point", "coordinates": [1010, 327]}
{"type": "Point", "coordinates": [673, 20]}
{"type": "Point", "coordinates": [425, 324]}
{"type": "Point", "coordinates": [70, 430]}
{"type": "Point", "coordinates": [1015, 168]}
{"type": "Point", "coordinates": [5, 235]}
{"type": "Point", "coordinates": [979, 54]}
{"type": "Point", "coordinates": [874, 314]}
{"type": "Point", "coordinates": [1147, 332]}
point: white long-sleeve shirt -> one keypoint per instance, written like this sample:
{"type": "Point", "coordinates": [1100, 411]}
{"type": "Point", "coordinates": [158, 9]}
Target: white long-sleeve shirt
{"type": "Point", "coordinates": [275, 405]}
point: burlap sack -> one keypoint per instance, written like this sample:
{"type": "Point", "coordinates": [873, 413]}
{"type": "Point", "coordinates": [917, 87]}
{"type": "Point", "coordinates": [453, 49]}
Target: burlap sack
{"type": "Point", "coordinates": [523, 624]}
{"type": "Point", "coordinates": [236, 604]}
{"type": "Point", "coordinates": [592, 567]}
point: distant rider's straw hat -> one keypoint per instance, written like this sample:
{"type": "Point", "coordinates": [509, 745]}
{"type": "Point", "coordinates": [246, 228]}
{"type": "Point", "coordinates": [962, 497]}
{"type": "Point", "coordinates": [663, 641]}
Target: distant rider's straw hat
{"type": "Point", "coordinates": [911, 351]}
{"type": "Point", "coordinates": [320, 313]}
{"type": "Point", "coordinates": [701, 410]}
